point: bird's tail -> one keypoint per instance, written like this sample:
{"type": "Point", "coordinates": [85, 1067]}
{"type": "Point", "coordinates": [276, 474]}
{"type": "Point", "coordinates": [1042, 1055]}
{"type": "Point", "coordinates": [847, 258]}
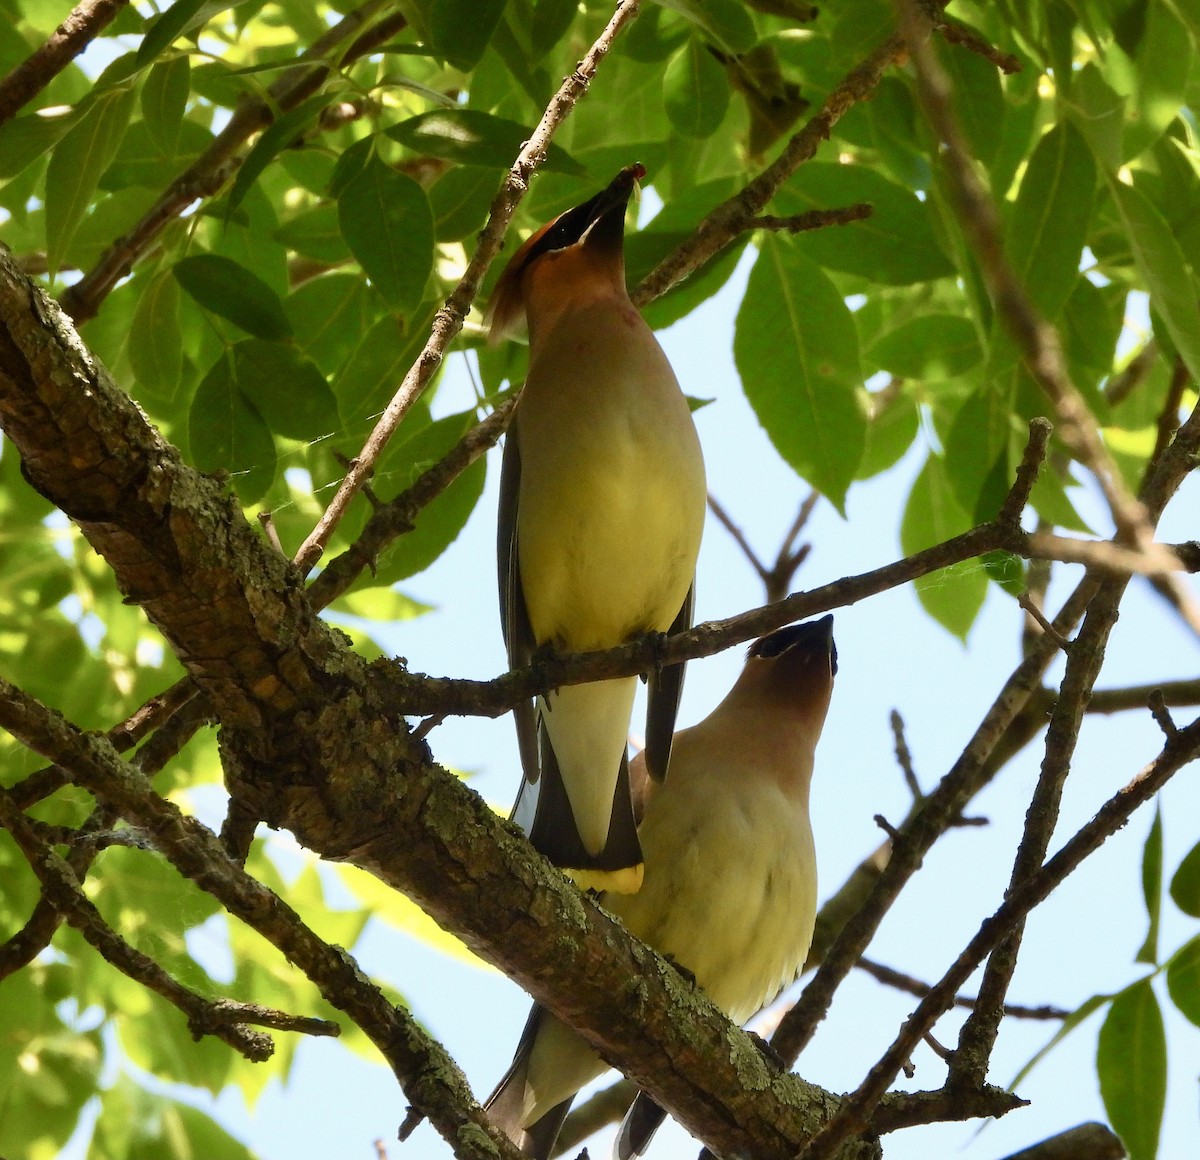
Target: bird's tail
{"type": "Point", "coordinates": [506, 1106]}
{"type": "Point", "coordinates": [638, 1128]}
{"type": "Point", "coordinates": [555, 833]}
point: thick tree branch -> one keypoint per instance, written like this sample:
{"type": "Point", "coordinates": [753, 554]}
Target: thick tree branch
{"type": "Point", "coordinates": [82, 25]}
{"type": "Point", "coordinates": [439, 841]}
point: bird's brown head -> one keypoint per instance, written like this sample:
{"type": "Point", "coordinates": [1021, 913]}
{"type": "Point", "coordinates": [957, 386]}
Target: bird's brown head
{"type": "Point", "coordinates": [583, 245]}
{"type": "Point", "coordinates": [798, 664]}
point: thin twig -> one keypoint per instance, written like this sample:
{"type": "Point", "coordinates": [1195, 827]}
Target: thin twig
{"type": "Point", "coordinates": [449, 319]}
{"type": "Point", "coordinates": [1038, 615]}
{"type": "Point", "coordinates": [904, 757]}
{"type": "Point", "coordinates": [890, 977]}
{"type": "Point", "coordinates": [739, 537]}
{"type": "Point", "coordinates": [853, 1115]}
{"type": "Point", "coordinates": [813, 219]}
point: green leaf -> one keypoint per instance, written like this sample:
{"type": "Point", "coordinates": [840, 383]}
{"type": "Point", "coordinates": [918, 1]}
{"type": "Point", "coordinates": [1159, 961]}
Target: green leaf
{"type": "Point", "coordinates": [953, 596]}
{"type": "Point", "coordinates": [461, 29]}
{"type": "Point", "coordinates": [695, 91]}
{"type": "Point", "coordinates": [1099, 112]}
{"type": "Point", "coordinates": [155, 344]}
{"type": "Point", "coordinates": [386, 221]}
{"type": "Point", "coordinates": [76, 165]}
{"type": "Point", "coordinates": [164, 99]}
{"type": "Point", "coordinates": [460, 201]}
{"type": "Point", "coordinates": [890, 435]}
{"type": "Point", "coordinates": [1183, 979]}
{"type": "Point", "coordinates": [437, 524]}
{"type": "Point", "coordinates": [1049, 223]}
{"type": "Point", "coordinates": [725, 21]}
{"type": "Point", "coordinates": [286, 389]}
{"type": "Point", "coordinates": [227, 288]}
{"type": "Point", "coordinates": [226, 433]}
{"type": "Point", "coordinates": [1131, 1062]}
{"type": "Point", "coordinates": [329, 315]}
{"type": "Point", "coordinates": [1160, 78]}
{"type": "Point", "coordinates": [894, 246]}
{"type": "Point", "coordinates": [141, 161]}
{"type": "Point", "coordinates": [978, 450]}
{"type": "Point", "coordinates": [1164, 271]}
{"type": "Point", "coordinates": [796, 349]}
{"type": "Point", "coordinates": [978, 99]}
{"type": "Point", "coordinates": [1152, 875]}
{"type": "Point", "coordinates": [1185, 883]}
{"type": "Point", "coordinates": [183, 16]}
{"type": "Point", "coordinates": [316, 234]}
{"type": "Point", "coordinates": [929, 347]}
{"type": "Point", "coordinates": [278, 135]}
{"type": "Point", "coordinates": [24, 139]}
{"type": "Point", "coordinates": [472, 137]}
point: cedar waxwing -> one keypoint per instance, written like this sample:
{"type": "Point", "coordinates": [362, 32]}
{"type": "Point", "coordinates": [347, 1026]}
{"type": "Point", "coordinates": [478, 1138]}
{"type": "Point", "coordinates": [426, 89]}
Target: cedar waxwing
{"type": "Point", "coordinates": [602, 504]}
{"type": "Point", "coordinates": [730, 889]}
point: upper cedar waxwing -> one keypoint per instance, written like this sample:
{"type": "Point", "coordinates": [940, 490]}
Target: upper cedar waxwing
{"type": "Point", "coordinates": [730, 889]}
{"type": "Point", "coordinates": [602, 504]}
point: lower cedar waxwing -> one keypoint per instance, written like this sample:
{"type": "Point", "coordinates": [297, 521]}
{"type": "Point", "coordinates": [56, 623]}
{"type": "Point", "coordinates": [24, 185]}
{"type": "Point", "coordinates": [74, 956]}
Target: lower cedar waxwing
{"type": "Point", "coordinates": [602, 504]}
{"type": "Point", "coordinates": [730, 891]}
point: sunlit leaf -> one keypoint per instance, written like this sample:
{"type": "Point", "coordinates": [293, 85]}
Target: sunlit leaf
{"type": "Point", "coordinates": [472, 137]}
{"type": "Point", "coordinates": [1131, 1061]}
{"type": "Point", "coordinates": [76, 164]}
{"type": "Point", "coordinates": [796, 350]}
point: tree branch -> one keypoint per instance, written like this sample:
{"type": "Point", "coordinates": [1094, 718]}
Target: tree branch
{"type": "Point", "coordinates": [80, 27]}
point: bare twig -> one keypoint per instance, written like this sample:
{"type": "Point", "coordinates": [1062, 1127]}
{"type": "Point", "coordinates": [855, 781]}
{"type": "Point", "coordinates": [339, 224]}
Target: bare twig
{"type": "Point", "coordinates": [739, 537]}
{"type": "Point", "coordinates": [82, 25]}
{"type": "Point", "coordinates": [904, 757]}
{"type": "Point", "coordinates": [1161, 714]}
{"type": "Point", "coordinates": [449, 319]}
{"type": "Point", "coordinates": [813, 219]}
{"type": "Point", "coordinates": [853, 1115]}
{"type": "Point", "coordinates": [1039, 616]}
{"type": "Point", "coordinates": [906, 983]}
{"type": "Point", "coordinates": [1137, 370]}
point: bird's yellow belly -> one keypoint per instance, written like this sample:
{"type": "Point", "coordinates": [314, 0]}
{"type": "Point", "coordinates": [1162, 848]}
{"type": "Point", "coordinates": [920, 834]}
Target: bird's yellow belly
{"type": "Point", "coordinates": [607, 554]}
